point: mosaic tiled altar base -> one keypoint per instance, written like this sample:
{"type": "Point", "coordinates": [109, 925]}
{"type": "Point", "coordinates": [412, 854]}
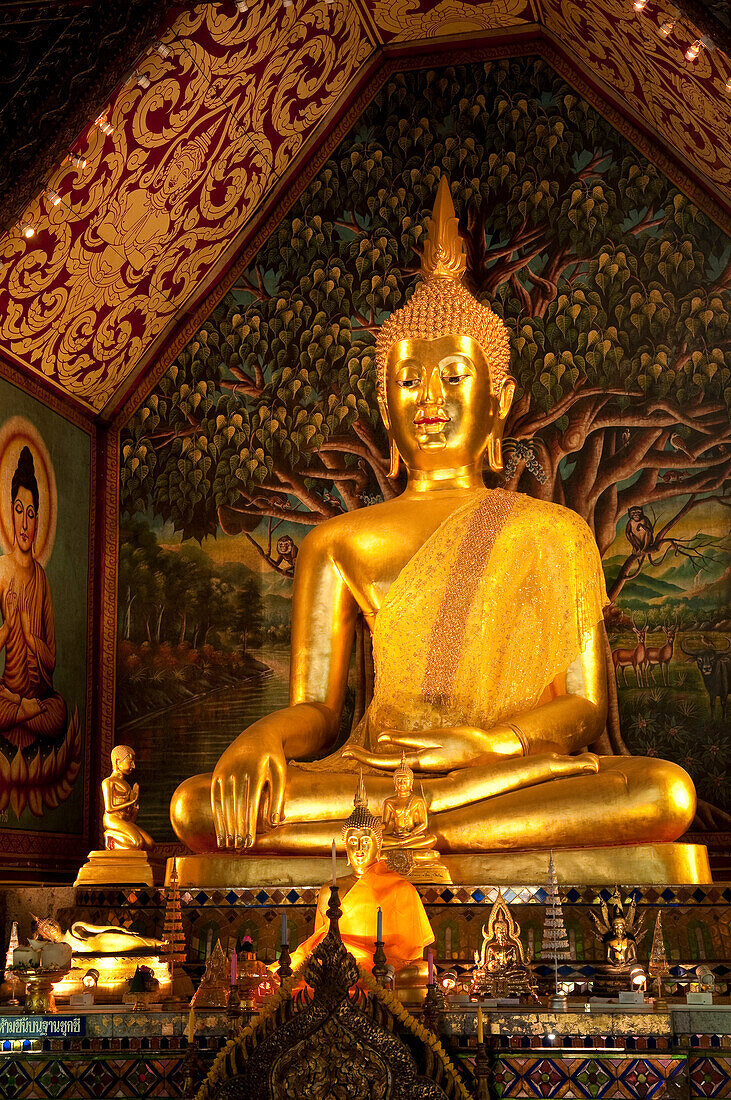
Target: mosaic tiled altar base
{"type": "Point", "coordinates": [696, 919]}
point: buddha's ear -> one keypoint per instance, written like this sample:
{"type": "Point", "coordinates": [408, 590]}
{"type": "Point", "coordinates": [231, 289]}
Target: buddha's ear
{"type": "Point", "coordinates": [383, 409]}
{"type": "Point", "coordinates": [394, 455]}
{"type": "Point", "coordinates": [505, 397]}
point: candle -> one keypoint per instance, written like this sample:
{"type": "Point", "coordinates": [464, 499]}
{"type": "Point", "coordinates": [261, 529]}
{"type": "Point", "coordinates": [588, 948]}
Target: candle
{"type": "Point", "coordinates": [430, 966]}
{"type": "Point", "coordinates": [379, 925]}
{"type": "Point", "coordinates": [191, 1025]}
{"type": "Point", "coordinates": [335, 866]}
{"type": "Point", "coordinates": [480, 1025]}
{"type": "Point", "coordinates": [234, 968]}
{"type": "Point", "coordinates": [284, 928]}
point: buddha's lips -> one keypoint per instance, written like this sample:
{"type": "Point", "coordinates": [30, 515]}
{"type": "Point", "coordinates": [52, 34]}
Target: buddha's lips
{"type": "Point", "coordinates": [432, 420]}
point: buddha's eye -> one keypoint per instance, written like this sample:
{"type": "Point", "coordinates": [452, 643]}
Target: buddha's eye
{"type": "Point", "coordinates": [456, 370]}
{"type": "Point", "coordinates": [455, 379]}
{"type": "Point", "coordinates": [408, 383]}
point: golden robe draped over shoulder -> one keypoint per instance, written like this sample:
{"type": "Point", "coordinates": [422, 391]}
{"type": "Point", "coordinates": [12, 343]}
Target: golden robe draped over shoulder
{"type": "Point", "coordinates": [499, 601]}
{"type": "Point", "coordinates": [495, 605]}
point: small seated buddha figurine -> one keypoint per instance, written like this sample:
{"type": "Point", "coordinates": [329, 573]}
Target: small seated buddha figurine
{"type": "Point", "coordinates": [619, 931]}
{"type": "Point", "coordinates": [408, 846]}
{"type": "Point", "coordinates": [121, 804]}
{"type": "Point", "coordinates": [372, 886]}
{"type": "Point", "coordinates": [501, 969]}
{"type": "Point", "coordinates": [489, 647]}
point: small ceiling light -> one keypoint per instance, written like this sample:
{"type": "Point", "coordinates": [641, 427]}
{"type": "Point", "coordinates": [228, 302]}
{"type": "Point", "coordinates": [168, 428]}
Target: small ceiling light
{"type": "Point", "coordinates": [693, 50]}
{"type": "Point", "coordinates": [640, 5]}
{"type": "Point", "coordinates": [728, 84]}
{"type": "Point", "coordinates": [667, 28]}
{"type": "Point", "coordinates": [53, 197]}
{"type": "Point", "coordinates": [242, 7]}
{"type": "Point", "coordinates": [163, 49]}
{"type": "Point", "coordinates": [142, 79]}
{"type": "Point", "coordinates": [551, 1036]}
{"type": "Point", "coordinates": [104, 125]}
{"type": "Point", "coordinates": [27, 229]}
{"type": "Point", "coordinates": [77, 160]}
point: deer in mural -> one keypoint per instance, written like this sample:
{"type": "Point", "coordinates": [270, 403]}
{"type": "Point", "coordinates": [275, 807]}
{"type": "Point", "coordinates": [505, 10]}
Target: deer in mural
{"type": "Point", "coordinates": [622, 659]}
{"type": "Point", "coordinates": [661, 655]}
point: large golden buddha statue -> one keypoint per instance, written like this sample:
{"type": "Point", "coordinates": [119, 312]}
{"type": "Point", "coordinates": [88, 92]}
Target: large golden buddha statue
{"type": "Point", "coordinates": [486, 613]}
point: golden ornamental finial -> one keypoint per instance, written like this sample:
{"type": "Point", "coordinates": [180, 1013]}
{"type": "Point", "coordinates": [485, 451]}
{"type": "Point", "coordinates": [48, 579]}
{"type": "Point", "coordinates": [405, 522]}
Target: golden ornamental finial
{"type": "Point", "coordinates": [444, 252]}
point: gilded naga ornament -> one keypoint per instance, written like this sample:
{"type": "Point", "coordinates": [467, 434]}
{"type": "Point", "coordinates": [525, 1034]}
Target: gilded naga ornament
{"type": "Point", "coordinates": [619, 930]}
{"type": "Point", "coordinates": [486, 613]}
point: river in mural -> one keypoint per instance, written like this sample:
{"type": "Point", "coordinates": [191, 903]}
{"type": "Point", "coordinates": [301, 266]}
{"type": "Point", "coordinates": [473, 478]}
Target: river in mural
{"type": "Point", "coordinates": [194, 734]}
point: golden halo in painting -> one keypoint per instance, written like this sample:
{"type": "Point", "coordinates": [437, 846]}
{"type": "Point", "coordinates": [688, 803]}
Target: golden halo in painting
{"type": "Point", "coordinates": [15, 434]}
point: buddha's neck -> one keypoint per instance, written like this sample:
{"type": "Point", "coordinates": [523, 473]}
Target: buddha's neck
{"type": "Point", "coordinates": [438, 481]}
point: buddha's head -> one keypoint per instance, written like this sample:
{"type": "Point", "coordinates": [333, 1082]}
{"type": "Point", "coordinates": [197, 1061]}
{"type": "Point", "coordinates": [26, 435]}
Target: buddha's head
{"type": "Point", "coordinates": [619, 927]}
{"type": "Point", "coordinates": [403, 777]}
{"type": "Point", "coordinates": [362, 833]}
{"type": "Point", "coordinates": [123, 759]}
{"type": "Point", "coordinates": [443, 385]}
{"type": "Point", "coordinates": [500, 929]}
{"type": "Point", "coordinates": [24, 502]}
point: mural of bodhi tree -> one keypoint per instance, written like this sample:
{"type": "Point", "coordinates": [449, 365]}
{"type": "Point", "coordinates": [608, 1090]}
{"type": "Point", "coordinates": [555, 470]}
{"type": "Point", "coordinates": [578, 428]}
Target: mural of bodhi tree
{"type": "Point", "coordinates": [615, 289]}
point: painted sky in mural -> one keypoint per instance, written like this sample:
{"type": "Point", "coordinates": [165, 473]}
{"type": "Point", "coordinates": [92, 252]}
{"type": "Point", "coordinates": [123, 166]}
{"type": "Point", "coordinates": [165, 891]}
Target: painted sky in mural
{"type": "Point", "coordinates": [615, 290]}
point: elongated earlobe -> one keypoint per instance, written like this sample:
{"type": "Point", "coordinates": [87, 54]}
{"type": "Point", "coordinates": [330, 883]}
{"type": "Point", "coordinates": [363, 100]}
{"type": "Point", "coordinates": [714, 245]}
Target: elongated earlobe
{"type": "Point", "coordinates": [395, 460]}
{"type": "Point", "coordinates": [495, 453]}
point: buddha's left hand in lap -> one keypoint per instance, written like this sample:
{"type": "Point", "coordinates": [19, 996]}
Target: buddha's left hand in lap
{"type": "Point", "coordinates": [439, 750]}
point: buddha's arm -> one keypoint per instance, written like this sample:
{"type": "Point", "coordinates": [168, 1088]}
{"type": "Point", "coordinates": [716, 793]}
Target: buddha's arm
{"type": "Point", "coordinates": [563, 725]}
{"type": "Point", "coordinates": [323, 627]}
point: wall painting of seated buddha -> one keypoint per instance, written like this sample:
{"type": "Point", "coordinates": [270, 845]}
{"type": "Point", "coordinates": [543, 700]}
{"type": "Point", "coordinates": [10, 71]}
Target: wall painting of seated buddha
{"type": "Point", "coordinates": [44, 535]}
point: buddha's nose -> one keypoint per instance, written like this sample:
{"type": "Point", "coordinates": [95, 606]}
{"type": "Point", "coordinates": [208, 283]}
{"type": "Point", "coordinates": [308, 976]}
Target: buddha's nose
{"type": "Point", "coordinates": [434, 394]}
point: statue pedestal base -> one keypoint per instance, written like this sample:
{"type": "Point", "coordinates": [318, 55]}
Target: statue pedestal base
{"type": "Point", "coordinates": [639, 865]}
{"type": "Point", "coordinates": [120, 867]}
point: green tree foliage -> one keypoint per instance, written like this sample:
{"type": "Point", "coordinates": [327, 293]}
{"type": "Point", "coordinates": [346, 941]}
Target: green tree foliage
{"type": "Point", "coordinates": [614, 287]}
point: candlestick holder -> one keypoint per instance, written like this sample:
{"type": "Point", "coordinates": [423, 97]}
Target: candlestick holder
{"type": "Point", "coordinates": [233, 1012]}
{"type": "Point", "coordinates": [379, 971]}
{"type": "Point", "coordinates": [434, 1006]}
{"type": "Point", "coordinates": [285, 963]}
{"type": "Point", "coordinates": [482, 1073]}
{"type": "Point", "coordinates": [193, 1070]}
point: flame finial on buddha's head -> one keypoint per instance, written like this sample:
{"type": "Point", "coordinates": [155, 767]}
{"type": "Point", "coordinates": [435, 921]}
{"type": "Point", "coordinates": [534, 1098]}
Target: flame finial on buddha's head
{"type": "Point", "coordinates": [441, 305]}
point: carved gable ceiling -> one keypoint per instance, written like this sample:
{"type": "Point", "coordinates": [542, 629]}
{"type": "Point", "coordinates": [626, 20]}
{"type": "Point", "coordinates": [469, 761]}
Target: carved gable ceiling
{"type": "Point", "coordinates": [190, 152]}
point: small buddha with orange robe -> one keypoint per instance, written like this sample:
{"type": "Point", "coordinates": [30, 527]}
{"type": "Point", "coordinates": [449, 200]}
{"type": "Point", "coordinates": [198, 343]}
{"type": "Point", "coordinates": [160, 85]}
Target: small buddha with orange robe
{"type": "Point", "coordinates": [370, 887]}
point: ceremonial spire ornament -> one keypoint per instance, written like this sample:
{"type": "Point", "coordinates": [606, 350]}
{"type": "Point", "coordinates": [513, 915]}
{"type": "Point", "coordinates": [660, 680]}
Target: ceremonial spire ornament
{"type": "Point", "coordinates": [555, 944]}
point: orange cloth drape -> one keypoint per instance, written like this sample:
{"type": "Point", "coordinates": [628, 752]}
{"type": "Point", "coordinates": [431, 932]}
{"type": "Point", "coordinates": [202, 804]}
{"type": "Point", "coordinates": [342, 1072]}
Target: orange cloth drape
{"type": "Point", "coordinates": [406, 928]}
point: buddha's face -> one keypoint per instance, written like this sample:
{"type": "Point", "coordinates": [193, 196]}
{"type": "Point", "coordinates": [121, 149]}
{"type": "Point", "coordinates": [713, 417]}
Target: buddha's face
{"type": "Point", "coordinates": [403, 783]}
{"type": "Point", "coordinates": [124, 763]}
{"type": "Point", "coordinates": [618, 926]}
{"type": "Point", "coordinates": [501, 933]}
{"type": "Point", "coordinates": [440, 411]}
{"type": "Point", "coordinates": [362, 849]}
{"type": "Point", "coordinates": [24, 519]}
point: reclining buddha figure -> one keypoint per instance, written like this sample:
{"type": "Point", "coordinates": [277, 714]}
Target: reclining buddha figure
{"type": "Point", "coordinates": [486, 613]}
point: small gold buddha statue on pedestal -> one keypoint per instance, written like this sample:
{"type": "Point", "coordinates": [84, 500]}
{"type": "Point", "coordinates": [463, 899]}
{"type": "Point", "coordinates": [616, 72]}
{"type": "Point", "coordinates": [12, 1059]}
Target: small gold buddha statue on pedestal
{"type": "Point", "coordinates": [485, 608]}
{"type": "Point", "coordinates": [371, 886]}
{"type": "Point", "coordinates": [501, 969]}
{"type": "Point", "coordinates": [123, 861]}
{"type": "Point", "coordinates": [619, 930]}
{"type": "Point", "coordinates": [408, 846]}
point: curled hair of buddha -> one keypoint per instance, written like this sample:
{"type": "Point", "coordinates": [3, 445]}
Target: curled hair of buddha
{"type": "Point", "coordinates": [361, 817]}
{"type": "Point", "coordinates": [25, 477]}
{"type": "Point", "coordinates": [441, 306]}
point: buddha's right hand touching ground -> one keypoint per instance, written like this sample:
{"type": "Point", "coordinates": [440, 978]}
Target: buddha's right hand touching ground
{"type": "Point", "coordinates": [248, 782]}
